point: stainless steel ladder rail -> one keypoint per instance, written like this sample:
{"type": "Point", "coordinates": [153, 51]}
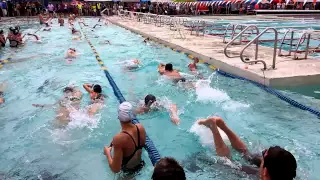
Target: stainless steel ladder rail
{"type": "Point", "coordinates": [226, 32]}
{"type": "Point", "coordinates": [238, 35]}
{"type": "Point", "coordinates": [282, 42]}
{"type": "Point", "coordinates": [301, 41]}
{"type": "Point", "coordinates": [256, 40]}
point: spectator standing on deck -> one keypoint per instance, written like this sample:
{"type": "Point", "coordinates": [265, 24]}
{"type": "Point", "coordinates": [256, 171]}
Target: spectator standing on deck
{"type": "Point", "coordinates": [99, 8]}
{"type": "Point", "coordinates": [79, 6]}
{"type": "Point", "coordinates": [50, 9]}
{"type": "Point", "coordinates": [17, 9]}
{"type": "Point", "coordinates": [4, 8]}
{"type": "Point", "coordinates": [28, 8]}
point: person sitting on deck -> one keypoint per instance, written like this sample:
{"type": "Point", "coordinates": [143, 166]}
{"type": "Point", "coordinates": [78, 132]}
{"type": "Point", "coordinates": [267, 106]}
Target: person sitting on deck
{"type": "Point", "coordinates": [151, 104]}
{"type": "Point", "coordinates": [127, 145]}
{"type": "Point", "coordinates": [2, 39]}
{"type": "Point", "coordinates": [275, 163]}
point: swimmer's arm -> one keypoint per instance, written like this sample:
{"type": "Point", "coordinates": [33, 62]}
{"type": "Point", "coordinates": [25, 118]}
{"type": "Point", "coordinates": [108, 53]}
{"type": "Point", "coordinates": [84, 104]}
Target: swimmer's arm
{"type": "Point", "coordinates": [88, 88]}
{"type": "Point", "coordinates": [173, 112]}
{"type": "Point", "coordinates": [139, 110]}
{"type": "Point", "coordinates": [115, 161]}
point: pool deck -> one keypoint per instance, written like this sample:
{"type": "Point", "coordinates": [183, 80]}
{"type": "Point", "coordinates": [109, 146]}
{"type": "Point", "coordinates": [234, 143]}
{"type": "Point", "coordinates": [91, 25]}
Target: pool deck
{"type": "Point", "coordinates": [288, 72]}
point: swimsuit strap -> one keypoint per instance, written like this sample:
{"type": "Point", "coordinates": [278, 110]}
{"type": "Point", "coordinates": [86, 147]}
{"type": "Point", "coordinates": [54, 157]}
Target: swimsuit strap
{"type": "Point", "coordinates": [131, 138]}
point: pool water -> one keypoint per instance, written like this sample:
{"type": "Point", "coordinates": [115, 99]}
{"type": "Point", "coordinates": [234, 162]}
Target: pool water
{"type": "Point", "coordinates": [33, 147]}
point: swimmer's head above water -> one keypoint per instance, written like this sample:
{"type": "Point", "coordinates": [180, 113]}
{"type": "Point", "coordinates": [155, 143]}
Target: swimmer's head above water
{"type": "Point", "coordinates": [72, 50]}
{"type": "Point", "coordinates": [1, 31]}
{"type": "Point", "coordinates": [168, 67]}
{"type": "Point", "coordinates": [149, 100]}
{"type": "Point", "coordinates": [125, 114]}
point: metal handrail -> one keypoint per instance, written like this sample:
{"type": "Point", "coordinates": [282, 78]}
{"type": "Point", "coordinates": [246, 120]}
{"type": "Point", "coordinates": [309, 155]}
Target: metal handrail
{"type": "Point", "coordinates": [238, 35]}
{"type": "Point", "coordinates": [226, 32]}
{"type": "Point", "coordinates": [282, 42]}
{"type": "Point", "coordinates": [256, 40]}
{"type": "Point", "coordinates": [301, 41]}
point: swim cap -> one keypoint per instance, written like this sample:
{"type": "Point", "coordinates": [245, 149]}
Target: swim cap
{"type": "Point", "coordinates": [149, 98]}
{"type": "Point", "coordinates": [168, 67]}
{"type": "Point", "coordinates": [97, 88]}
{"type": "Point", "coordinates": [15, 32]}
{"type": "Point", "coordinates": [11, 29]}
{"type": "Point", "coordinates": [17, 27]}
{"type": "Point", "coordinates": [125, 112]}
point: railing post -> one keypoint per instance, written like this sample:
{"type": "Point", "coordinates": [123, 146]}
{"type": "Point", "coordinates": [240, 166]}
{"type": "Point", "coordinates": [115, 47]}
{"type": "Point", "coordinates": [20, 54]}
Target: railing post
{"type": "Point", "coordinates": [291, 41]}
{"type": "Point", "coordinates": [307, 46]}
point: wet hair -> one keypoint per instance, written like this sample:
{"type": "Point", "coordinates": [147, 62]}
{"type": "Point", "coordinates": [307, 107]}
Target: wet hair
{"type": "Point", "coordinates": [280, 163]}
{"type": "Point", "coordinates": [196, 59]}
{"type": "Point", "coordinates": [16, 32]}
{"type": "Point", "coordinates": [168, 168]}
{"type": "Point", "coordinates": [1, 31]}
{"type": "Point", "coordinates": [149, 98]}
{"type": "Point", "coordinates": [169, 67]}
{"type": "Point", "coordinates": [68, 89]}
{"type": "Point", "coordinates": [97, 88]}
{"type": "Point", "coordinates": [72, 49]}
{"type": "Point", "coordinates": [12, 29]}
{"type": "Point", "coordinates": [17, 27]}
{"type": "Point", "coordinates": [1, 93]}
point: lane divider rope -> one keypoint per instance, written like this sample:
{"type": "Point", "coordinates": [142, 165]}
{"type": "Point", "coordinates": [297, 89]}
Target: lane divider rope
{"type": "Point", "coordinates": [149, 146]}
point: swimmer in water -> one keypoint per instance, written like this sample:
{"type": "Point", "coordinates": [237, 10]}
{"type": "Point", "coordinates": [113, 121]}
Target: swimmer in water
{"type": "Point", "coordinates": [168, 71]}
{"type": "Point", "coordinates": [132, 64]}
{"type": "Point", "coordinates": [15, 37]}
{"type": "Point", "coordinates": [3, 39]}
{"type": "Point", "coordinates": [61, 20]}
{"type": "Point", "coordinates": [193, 68]}
{"type": "Point", "coordinates": [274, 162]}
{"type": "Point", "coordinates": [71, 53]}
{"type": "Point", "coordinates": [74, 31]}
{"type": "Point", "coordinates": [96, 96]}
{"type": "Point", "coordinates": [105, 42]}
{"type": "Point", "coordinates": [70, 102]}
{"type": "Point", "coordinates": [151, 104]}
{"type": "Point", "coordinates": [146, 40]}
{"type": "Point", "coordinates": [3, 87]}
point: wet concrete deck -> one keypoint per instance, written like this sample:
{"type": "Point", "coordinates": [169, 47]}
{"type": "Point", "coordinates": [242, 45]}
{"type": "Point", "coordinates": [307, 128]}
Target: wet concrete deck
{"type": "Point", "coordinates": [288, 72]}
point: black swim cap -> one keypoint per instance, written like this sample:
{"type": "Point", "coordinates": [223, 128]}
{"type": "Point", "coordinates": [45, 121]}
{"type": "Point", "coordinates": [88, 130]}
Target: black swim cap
{"type": "Point", "coordinates": [11, 29]}
{"type": "Point", "coordinates": [68, 89]}
{"type": "Point", "coordinates": [149, 98]}
{"type": "Point", "coordinates": [17, 27]}
{"type": "Point", "coordinates": [168, 67]}
{"type": "Point", "coordinates": [16, 31]}
{"type": "Point", "coordinates": [97, 88]}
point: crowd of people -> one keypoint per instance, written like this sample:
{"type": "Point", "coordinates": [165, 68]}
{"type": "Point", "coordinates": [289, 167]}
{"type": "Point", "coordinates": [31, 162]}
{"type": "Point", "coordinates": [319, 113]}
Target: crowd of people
{"type": "Point", "coordinates": [125, 150]}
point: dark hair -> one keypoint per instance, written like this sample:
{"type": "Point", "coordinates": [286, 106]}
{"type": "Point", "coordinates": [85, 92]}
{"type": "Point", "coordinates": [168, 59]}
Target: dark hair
{"type": "Point", "coordinates": [280, 163]}
{"type": "Point", "coordinates": [168, 169]}
{"type": "Point", "coordinates": [1, 31]}
{"type": "Point", "coordinates": [68, 89]}
{"type": "Point", "coordinates": [11, 29]}
{"type": "Point", "coordinates": [168, 67]}
{"type": "Point", "coordinates": [16, 32]}
{"type": "Point", "coordinates": [97, 88]}
{"type": "Point", "coordinates": [149, 98]}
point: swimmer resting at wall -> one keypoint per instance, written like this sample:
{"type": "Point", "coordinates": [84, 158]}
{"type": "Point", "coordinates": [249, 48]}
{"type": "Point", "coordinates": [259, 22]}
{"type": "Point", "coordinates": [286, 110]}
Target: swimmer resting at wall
{"type": "Point", "coordinates": [151, 104]}
{"type": "Point", "coordinates": [194, 68]}
{"type": "Point", "coordinates": [70, 102]}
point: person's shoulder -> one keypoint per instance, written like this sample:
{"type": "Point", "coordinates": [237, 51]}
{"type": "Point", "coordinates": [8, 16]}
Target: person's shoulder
{"type": "Point", "coordinates": [140, 126]}
{"type": "Point", "coordinates": [119, 139]}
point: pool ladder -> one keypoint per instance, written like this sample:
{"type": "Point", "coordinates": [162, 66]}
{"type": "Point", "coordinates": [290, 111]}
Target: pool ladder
{"type": "Point", "coordinates": [253, 41]}
{"type": "Point", "coordinates": [303, 41]}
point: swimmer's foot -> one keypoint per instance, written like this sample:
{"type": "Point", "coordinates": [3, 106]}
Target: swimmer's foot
{"type": "Point", "coordinates": [219, 122]}
{"type": "Point", "coordinates": [207, 122]}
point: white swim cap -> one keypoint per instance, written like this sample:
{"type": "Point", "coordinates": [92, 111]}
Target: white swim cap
{"type": "Point", "coordinates": [125, 112]}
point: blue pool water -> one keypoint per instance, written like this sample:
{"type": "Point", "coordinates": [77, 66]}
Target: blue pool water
{"type": "Point", "coordinates": [33, 147]}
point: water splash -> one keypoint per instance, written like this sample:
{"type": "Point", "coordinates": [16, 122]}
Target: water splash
{"type": "Point", "coordinates": [205, 134]}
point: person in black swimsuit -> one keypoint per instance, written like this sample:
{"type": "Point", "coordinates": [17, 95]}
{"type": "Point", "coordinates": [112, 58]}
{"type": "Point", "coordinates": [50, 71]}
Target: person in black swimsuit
{"type": "Point", "coordinates": [127, 145]}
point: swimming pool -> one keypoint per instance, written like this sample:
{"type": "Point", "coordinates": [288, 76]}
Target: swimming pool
{"type": "Point", "coordinates": [33, 148]}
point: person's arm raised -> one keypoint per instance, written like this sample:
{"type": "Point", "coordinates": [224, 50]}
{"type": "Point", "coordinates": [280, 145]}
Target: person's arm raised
{"type": "Point", "coordinates": [88, 88]}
